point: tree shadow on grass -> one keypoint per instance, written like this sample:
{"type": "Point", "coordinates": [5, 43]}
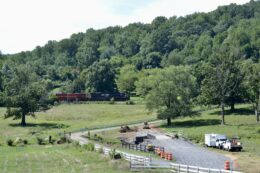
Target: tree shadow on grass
{"type": "Point", "coordinates": [238, 111]}
{"type": "Point", "coordinates": [193, 123]}
{"type": "Point", "coordinates": [42, 125]}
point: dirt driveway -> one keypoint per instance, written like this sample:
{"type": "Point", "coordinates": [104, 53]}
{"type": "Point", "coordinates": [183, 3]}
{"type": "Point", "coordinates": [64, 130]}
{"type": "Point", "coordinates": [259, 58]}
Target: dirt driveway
{"type": "Point", "coordinates": [189, 154]}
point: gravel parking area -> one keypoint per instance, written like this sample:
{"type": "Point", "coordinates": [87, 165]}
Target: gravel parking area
{"type": "Point", "coordinates": [189, 154]}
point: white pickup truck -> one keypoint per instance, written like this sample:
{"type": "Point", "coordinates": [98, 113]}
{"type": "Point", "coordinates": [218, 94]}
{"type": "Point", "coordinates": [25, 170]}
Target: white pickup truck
{"type": "Point", "coordinates": [232, 145]}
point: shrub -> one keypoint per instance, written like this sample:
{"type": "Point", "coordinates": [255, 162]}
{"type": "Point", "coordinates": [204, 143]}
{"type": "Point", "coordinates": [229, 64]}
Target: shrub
{"type": "Point", "coordinates": [100, 150]}
{"type": "Point", "coordinates": [10, 142]}
{"type": "Point", "coordinates": [76, 144]}
{"type": "Point", "coordinates": [130, 102]}
{"type": "Point", "coordinates": [18, 141]}
{"type": "Point", "coordinates": [114, 155]}
{"type": "Point", "coordinates": [25, 141]}
{"type": "Point", "coordinates": [112, 101]}
{"type": "Point", "coordinates": [40, 141]}
{"type": "Point", "coordinates": [97, 138]}
{"type": "Point", "coordinates": [89, 147]}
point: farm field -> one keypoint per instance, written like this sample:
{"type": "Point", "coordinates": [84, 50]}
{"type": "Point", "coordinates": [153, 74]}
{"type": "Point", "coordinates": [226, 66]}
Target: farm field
{"type": "Point", "coordinates": [73, 117]}
{"type": "Point", "coordinates": [241, 123]}
{"type": "Point", "coordinates": [57, 159]}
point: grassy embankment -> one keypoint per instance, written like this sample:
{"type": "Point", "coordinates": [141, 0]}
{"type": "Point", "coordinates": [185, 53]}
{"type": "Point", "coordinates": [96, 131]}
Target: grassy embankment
{"type": "Point", "coordinates": [57, 159]}
{"type": "Point", "coordinates": [241, 123]}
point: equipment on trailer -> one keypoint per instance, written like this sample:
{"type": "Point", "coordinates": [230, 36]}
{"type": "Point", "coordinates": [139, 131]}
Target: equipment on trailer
{"type": "Point", "coordinates": [233, 144]}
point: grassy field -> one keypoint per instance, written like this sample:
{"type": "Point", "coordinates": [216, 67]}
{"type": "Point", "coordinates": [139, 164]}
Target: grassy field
{"type": "Point", "coordinates": [242, 123]}
{"type": "Point", "coordinates": [71, 117]}
{"type": "Point", "coordinates": [57, 159]}
{"type": "Point", "coordinates": [64, 158]}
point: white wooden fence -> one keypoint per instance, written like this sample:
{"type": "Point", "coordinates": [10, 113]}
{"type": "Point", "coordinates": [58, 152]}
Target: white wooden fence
{"type": "Point", "coordinates": [141, 163]}
{"type": "Point", "coordinates": [135, 159]}
{"type": "Point", "coordinates": [176, 168]}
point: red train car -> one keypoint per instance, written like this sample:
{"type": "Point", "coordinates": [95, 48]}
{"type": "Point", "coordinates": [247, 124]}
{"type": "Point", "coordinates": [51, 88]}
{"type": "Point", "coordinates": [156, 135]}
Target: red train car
{"type": "Point", "coordinates": [71, 97]}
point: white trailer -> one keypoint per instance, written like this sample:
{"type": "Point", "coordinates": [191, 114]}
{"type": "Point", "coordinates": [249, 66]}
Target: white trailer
{"type": "Point", "coordinates": [212, 140]}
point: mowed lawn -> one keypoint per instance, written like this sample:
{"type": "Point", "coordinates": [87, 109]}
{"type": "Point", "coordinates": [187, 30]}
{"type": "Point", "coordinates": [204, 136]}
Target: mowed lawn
{"type": "Point", "coordinates": [242, 123]}
{"type": "Point", "coordinates": [71, 117]}
{"type": "Point", "coordinates": [57, 159]}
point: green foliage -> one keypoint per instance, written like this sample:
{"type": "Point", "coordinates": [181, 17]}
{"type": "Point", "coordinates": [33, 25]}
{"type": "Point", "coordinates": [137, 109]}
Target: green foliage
{"type": "Point", "coordinates": [9, 142]}
{"type": "Point", "coordinates": [40, 140]}
{"type": "Point", "coordinates": [223, 78]}
{"type": "Point", "coordinates": [171, 93]}
{"type": "Point", "coordinates": [252, 85]}
{"type": "Point", "coordinates": [99, 77]}
{"type": "Point", "coordinates": [127, 78]}
{"type": "Point", "coordinates": [89, 147]}
{"type": "Point", "coordinates": [23, 95]}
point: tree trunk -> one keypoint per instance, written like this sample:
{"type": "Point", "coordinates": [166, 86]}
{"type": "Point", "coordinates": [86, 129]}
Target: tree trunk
{"type": "Point", "coordinates": [257, 115]}
{"type": "Point", "coordinates": [169, 121]}
{"type": "Point", "coordinates": [232, 106]}
{"type": "Point", "coordinates": [23, 122]}
{"type": "Point", "coordinates": [222, 113]}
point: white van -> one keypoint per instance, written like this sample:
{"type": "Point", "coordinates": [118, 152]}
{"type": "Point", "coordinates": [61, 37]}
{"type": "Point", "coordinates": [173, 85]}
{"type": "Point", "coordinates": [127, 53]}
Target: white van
{"type": "Point", "coordinates": [214, 140]}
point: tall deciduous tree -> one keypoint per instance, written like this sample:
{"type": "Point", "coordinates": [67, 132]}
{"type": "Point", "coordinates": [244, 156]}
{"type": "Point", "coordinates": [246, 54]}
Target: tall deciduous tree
{"type": "Point", "coordinates": [222, 78]}
{"type": "Point", "coordinates": [23, 95]}
{"type": "Point", "coordinates": [171, 94]}
{"type": "Point", "coordinates": [252, 84]}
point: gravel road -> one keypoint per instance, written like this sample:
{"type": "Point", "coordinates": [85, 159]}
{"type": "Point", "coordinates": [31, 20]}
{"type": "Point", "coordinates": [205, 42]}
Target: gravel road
{"type": "Point", "coordinates": [190, 154]}
{"type": "Point", "coordinates": [77, 136]}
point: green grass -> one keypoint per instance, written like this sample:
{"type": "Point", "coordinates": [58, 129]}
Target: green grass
{"type": "Point", "coordinates": [57, 159]}
{"type": "Point", "coordinates": [72, 117]}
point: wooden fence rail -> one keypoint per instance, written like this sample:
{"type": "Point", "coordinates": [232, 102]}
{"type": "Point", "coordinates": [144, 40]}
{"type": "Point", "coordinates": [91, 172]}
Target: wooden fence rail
{"type": "Point", "coordinates": [140, 147]}
{"type": "Point", "coordinates": [175, 168]}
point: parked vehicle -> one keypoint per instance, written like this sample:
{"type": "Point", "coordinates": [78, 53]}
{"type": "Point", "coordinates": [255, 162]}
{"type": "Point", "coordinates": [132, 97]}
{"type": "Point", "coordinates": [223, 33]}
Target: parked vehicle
{"type": "Point", "coordinates": [214, 140]}
{"type": "Point", "coordinates": [221, 141]}
{"type": "Point", "coordinates": [232, 145]}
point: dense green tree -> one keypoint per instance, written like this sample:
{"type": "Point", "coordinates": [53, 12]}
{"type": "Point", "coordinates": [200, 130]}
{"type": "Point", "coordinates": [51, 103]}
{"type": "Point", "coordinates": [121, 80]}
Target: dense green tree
{"type": "Point", "coordinates": [171, 93]}
{"type": "Point", "coordinates": [127, 78]}
{"type": "Point", "coordinates": [252, 85]}
{"type": "Point", "coordinates": [23, 95]}
{"type": "Point", "coordinates": [222, 78]}
{"type": "Point", "coordinates": [99, 77]}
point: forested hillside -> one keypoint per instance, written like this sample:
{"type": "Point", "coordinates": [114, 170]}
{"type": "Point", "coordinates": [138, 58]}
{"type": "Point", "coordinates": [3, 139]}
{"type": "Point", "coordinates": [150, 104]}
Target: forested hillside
{"type": "Point", "coordinates": [220, 47]}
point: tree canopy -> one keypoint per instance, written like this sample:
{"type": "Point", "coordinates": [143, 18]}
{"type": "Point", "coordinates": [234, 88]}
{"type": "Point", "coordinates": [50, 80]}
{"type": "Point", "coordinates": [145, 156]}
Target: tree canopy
{"type": "Point", "coordinates": [214, 45]}
{"type": "Point", "coordinates": [171, 92]}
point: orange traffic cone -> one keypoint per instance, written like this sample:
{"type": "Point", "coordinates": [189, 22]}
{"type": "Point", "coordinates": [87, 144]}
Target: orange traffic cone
{"type": "Point", "coordinates": [170, 156]}
{"type": "Point", "coordinates": [227, 165]}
